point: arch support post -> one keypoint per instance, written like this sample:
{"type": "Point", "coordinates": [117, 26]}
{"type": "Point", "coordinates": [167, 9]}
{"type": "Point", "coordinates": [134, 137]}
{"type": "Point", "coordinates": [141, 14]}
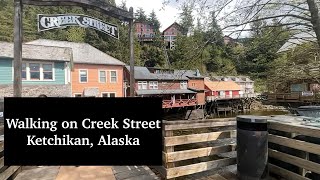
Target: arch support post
{"type": "Point", "coordinates": [17, 81]}
{"type": "Point", "coordinates": [132, 80]}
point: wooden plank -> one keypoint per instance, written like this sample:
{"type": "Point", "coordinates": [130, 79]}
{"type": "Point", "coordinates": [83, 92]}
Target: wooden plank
{"type": "Point", "coordinates": [285, 173]}
{"type": "Point", "coordinates": [195, 153]}
{"type": "Point", "coordinates": [311, 166]}
{"type": "Point", "coordinates": [1, 130]}
{"type": "Point", "coordinates": [197, 121]}
{"type": "Point", "coordinates": [1, 146]}
{"type": "Point", "coordinates": [303, 130]}
{"type": "Point", "coordinates": [168, 149]}
{"type": "Point", "coordinates": [1, 162]}
{"type": "Point", "coordinates": [8, 172]}
{"type": "Point", "coordinates": [199, 167]}
{"type": "Point", "coordinates": [195, 138]}
{"type": "Point", "coordinates": [217, 177]}
{"type": "Point", "coordinates": [296, 144]}
{"type": "Point", "coordinates": [199, 125]}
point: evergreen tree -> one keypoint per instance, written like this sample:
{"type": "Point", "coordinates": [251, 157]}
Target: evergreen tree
{"type": "Point", "coordinates": [140, 15]}
{"type": "Point", "coordinates": [214, 34]}
{"type": "Point", "coordinates": [153, 20]}
{"type": "Point", "coordinates": [186, 19]}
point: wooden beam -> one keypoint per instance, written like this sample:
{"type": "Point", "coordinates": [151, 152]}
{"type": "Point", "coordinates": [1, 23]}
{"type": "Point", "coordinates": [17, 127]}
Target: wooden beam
{"type": "Point", "coordinates": [132, 81]}
{"type": "Point", "coordinates": [294, 128]}
{"type": "Point", "coordinates": [168, 149]}
{"type": "Point", "coordinates": [199, 167]}
{"type": "Point", "coordinates": [285, 173]}
{"type": "Point", "coordinates": [195, 138]}
{"type": "Point", "coordinates": [296, 144]}
{"type": "Point", "coordinates": [101, 6]}
{"type": "Point", "coordinates": [311, 166]}
{"type": "Point", "coordinates": [17, 81]}
{"type": "Point", "coordinates": [9, 172]}
{"type": "Point", "coordinates": [196, 153]}
{"type": "Point", "coordinates": [199, 125]}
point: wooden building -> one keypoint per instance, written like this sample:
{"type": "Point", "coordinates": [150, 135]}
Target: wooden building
{"type": "Point", "coordinates": [144, 31]}
{"type": "Point", "coordinates": [221, 90]}
{"type": "Point", "coordinates": [95, 73]}
{"type": "Point", "coordinates": [178, 88]}
{"type": "Point", "coordinates": [170, 35]}
{"type": "Point", "coordinates": [45, 70]}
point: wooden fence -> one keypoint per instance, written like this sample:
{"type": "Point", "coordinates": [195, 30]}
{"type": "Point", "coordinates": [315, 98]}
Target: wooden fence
{"type": "Point", "coordinates": [284, 147]}
{"type": "Point", "coordinates": [191, 146]}
{"type": "Point", "coordinates": [5, 171]}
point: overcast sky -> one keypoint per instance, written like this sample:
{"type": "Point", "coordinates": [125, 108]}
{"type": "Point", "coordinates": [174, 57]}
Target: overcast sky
{"type": "Point", "coordinates": [167, 16]}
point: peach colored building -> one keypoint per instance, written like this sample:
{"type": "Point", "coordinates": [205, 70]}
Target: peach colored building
{"type": "Point", "coordinates": [95, 73]}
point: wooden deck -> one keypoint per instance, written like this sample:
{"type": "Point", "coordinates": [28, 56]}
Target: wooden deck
{"type": "Point", "coordinates": [88, 173]}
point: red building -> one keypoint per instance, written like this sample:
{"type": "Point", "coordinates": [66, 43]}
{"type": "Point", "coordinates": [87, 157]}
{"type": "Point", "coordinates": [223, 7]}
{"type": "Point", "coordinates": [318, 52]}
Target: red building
{"type": "Point", "coordinates": [144, 31]}
{"type": "Point", "coordinates": [221, 90]}
{"type": "Point", "coordinates": [178, 88]}
{"type": "Point", "coordinates": [170, 35]}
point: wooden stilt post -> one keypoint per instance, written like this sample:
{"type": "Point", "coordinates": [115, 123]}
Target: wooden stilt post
{"type": "Point", "coordinates": [17, 82]}
{"type": "Point", "coordinates": [132, 81]}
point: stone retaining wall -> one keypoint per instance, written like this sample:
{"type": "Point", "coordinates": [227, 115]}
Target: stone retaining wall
{"type": "Point", "coordinates": [36, 90]}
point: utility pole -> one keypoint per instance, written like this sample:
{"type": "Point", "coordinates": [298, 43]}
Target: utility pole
{"type": "Point", "coordinates": [17, 82]}
{"type": "Point", "coordinates": [132, 80]}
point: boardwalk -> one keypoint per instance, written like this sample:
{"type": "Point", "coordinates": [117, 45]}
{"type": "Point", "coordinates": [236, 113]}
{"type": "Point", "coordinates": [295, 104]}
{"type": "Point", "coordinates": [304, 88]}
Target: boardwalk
{"type": "Point", "coordinates": [88, 172]}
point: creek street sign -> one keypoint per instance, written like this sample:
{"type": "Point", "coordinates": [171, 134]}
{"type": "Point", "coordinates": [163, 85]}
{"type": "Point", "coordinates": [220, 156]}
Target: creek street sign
{"type": "Point", "coordinates": [55, 21]}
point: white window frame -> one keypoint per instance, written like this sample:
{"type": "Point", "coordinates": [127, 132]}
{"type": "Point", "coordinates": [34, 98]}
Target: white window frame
{"type": "Point", "coordinates": [184, 85]}
{"type": "Point", "coordinates": [100, 76]}
{"type": "Point", "coordinates": [153, 85]}
{"type": "Point", "coordinates": [74, 94]}
{"type": "Point", "coordinates": [80, 75]}
{"type": "Point", "coordinates": [142, 83]}
{"type": "Point", "coordinates": [108, 93]}
{"type": "Point", "coordinates": [41, 71]}
{"type": "Point", "coordinates": [111, 76]}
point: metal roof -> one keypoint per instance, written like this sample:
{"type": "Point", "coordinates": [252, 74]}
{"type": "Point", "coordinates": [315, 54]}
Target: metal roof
{"type": "Point", "coordinates": [82, 52]}
{"type": "Point", "coordinates": [298, 39]}
{"type": "Point", "coordinates": [167, 91]}
{"type": "Point", "coordinates": [37, 52]}
{"type": "Point", "coordinates": [144, 73]}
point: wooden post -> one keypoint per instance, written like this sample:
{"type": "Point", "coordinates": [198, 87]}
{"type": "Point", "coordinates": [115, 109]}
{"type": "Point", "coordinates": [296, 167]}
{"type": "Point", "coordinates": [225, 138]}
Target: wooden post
{"type": "Point", "coordinates": [168, 149]}
{"type": "Point", "coordinates": [132, 81]}
{"type": "Point", "coordinates": [17, 82]}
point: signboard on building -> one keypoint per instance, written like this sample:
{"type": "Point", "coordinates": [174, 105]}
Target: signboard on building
{"type": "Point", "coordinates": [55, 21]}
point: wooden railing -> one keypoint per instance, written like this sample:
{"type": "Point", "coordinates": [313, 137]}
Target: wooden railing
{"type": "Point", "coordinates": [5, 171]}
{"type": "Point", "coordinates": [188, 142]}
{"type": "Point", "coordinates": [292, 97]}
{"type": "Point", "coordinates": [178, 103]}
{"type": "Point", "coordinates": [291, 156]}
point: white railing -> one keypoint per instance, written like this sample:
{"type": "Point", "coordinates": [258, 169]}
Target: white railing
{"type": "Point", "coordinates": [212, 98]}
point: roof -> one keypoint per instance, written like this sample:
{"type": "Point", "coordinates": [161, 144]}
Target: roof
{"type": "Point", "coordinates": [233, 78]}
{"type": "Point", "coordinates": [82, 52]}
{"type": "Point", "coordinates": [144, 73]}
{"type": "Point", "coordinates": [166, 91]}
{"type": "Point", "coordinates": [298, 39]}
{"type": "Point", "coordinates": [37, 52]}
{"type": "Point", "coordinates": [175, 23]}
{"type": "Point", "coordinates": [222, 85]}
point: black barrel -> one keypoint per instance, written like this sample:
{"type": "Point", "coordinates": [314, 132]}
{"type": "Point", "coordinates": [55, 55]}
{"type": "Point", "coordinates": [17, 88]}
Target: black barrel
{"type": "Point", "coordinates": [252, 148]}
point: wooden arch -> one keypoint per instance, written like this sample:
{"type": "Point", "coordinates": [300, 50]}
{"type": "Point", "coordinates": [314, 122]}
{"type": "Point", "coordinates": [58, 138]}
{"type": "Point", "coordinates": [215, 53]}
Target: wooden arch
{"type": "Point", "coordinates": [97, 5]}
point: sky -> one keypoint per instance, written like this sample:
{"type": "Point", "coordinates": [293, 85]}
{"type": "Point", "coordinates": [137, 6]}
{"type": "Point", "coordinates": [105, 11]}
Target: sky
{"type": "Point", "coordinates": [166, 14]}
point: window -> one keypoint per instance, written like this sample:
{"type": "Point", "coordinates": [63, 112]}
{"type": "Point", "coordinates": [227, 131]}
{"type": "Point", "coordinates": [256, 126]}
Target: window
{"type": "Point", "coordinates": [24, 71]}
{"type": "Point", "coordinates": [34, 71]}
{"type": "Point", "coordinates": [108, 94]}
{"type": "Point", "coordinates": [83, 75]}
{"type": "Point", "coordinates": [184, 85]}
{"type": "Point", "coordinates": [153, 85]}
{"type": "Point", "coordinates": [102, 76]}
{"type": "Point", "coordinates": [193, 84]}
{"type": "Point", "coordinates": [142, 85]}
{"type": "Point", "coordinates": [113, 76]}
{"type": "Point", "coordinates": [77, 95]}
{"type": "Point", "coordinates": [47, 71]}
